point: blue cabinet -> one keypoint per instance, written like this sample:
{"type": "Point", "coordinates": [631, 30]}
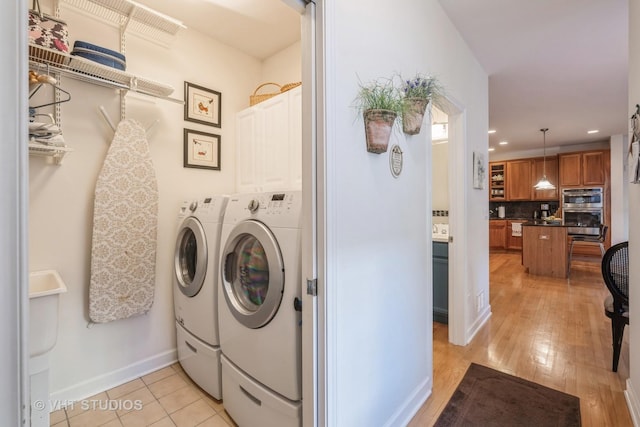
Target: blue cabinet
{"type": "Point", "coordinates": [441, 282]}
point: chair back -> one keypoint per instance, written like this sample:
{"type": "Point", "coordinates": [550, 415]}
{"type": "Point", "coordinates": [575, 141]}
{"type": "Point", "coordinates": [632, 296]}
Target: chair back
{"type": "Point", "coordinates": [615, 272]}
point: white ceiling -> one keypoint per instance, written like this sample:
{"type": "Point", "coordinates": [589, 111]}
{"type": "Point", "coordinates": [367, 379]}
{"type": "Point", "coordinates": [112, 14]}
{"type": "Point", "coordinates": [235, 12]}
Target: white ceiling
{"type": "Point", "coordinates": [555, 64]}
{"type": "Point", "coordinates": [259, 28]}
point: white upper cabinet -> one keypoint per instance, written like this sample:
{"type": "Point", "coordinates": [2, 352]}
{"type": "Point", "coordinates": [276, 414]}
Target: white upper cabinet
{"type": "Point", "coordinates": [269, 144]}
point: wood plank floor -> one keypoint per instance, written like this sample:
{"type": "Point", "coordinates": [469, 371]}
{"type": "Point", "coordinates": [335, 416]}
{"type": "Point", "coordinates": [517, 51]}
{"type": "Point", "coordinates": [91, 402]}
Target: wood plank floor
{"type": "Point", "coordinates": [551, 331]}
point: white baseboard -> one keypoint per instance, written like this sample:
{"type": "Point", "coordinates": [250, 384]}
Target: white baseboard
{"type": "Point", "coordinates": [479, 323]}
{"type": "Point", "coordinates": [406, 412]}
{"type": "Point", "coordinates": [115, 378]}
{"type": "Point", "coordinates": [633, 403]}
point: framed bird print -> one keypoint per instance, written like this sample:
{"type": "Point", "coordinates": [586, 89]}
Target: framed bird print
{"type": "Point", "coordinates": [201, 150]}
{"type": "Point", "coordinates": [202, 105]}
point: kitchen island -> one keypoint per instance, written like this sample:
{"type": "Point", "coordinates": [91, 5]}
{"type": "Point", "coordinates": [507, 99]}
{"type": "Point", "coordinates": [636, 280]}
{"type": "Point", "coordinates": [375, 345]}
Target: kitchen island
{"type": "Point", "coordinates": [544, 248]}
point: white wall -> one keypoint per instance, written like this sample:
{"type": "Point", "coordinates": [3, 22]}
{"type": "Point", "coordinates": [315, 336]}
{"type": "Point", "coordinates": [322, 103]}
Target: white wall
{"type": "Point", "coordinates": [378, 272]}
{"type": "Point", "coordinates": [619, 189]}
{"type": "Point", "coordinates": [283, 67]}
{"type": "Point", "coordinates": [440, 176]}
{"type": "Point", "coordinates": [87, 360]}
{"type": "Point", "coordinates": [633, 383]}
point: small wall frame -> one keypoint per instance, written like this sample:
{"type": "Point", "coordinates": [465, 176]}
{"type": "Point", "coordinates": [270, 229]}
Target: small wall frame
{"type": "Point", "coordinates": [202, 105]}
{"type": "Point", "coordinates": [201, 150]}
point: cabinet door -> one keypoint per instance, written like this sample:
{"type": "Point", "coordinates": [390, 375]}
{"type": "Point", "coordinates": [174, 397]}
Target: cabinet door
{"type": "Point", "coordinates": [593, 168]}
{"type": "Point", "coordinates": [570, 169]}
{"type": "Point", "coordinates": [497, 236]}
{"type": "Point", "coordinates": [513, 242]}
{"type": "Point", "coordinates": [551, 170]}
{"type": "Point", "coordinates": [295, 137]}
{"type": "Point", "coordinates": [247, 144]}
{"type": "Point", "coordinates": [275, 147]}
{"type": "Point", "coordinates": [519, 180]}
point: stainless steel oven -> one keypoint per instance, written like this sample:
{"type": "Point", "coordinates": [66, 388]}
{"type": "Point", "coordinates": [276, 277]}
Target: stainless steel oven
{"type": "Point", "coordinates": [582, 210]}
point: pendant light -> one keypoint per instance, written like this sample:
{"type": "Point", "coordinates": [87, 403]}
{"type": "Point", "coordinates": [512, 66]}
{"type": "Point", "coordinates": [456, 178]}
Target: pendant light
{"type": "Point", "coordinates": [544, 183]}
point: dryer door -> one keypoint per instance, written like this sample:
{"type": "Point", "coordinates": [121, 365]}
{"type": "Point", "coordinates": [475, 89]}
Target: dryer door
{"type": "Point", "coordinates": [190, 262]}
{"type": "Point", "coordinates": [253, 274]}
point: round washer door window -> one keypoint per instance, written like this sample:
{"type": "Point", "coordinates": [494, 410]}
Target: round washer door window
{"type": "Point", "coordinates": [190, 262]}
{"type": "Point", "coordinates": [253, 274]}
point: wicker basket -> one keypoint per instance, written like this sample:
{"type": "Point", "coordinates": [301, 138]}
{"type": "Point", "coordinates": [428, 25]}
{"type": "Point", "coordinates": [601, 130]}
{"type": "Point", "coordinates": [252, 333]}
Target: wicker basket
{"type": "Point", "coordinates": [257, 98]}
{"type": "Point", "coordinates": [289, 86]}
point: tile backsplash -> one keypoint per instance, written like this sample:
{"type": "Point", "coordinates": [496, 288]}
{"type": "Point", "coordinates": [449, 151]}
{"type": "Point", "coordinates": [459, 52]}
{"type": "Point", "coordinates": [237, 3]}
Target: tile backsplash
{"type": "Point", "coordinates": [520, 210]}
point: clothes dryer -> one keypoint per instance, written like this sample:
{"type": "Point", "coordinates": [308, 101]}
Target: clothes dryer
{"type": "Point", "coordinates": [259, 308]}
{"type": "Point", "coordinates": [195, 293]}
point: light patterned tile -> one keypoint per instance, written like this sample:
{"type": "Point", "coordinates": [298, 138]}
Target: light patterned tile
{"type": "Point", "coordinates": [57, 416]}
{"type": "Point", "coordinates": [135, 401]}
{"type": "Point", "coordinates": [179, 399]}
{"type": "Point", "coordinates": [193, 414]}
{"type": "Point", "coordinates": [61, 424]}
{"type": "Point", "coordinates": [215, 421]}
{"type": "Point", "coordinates": [83, 405]}
{"type": "Point", "coordinates": [148, 415]}
{"type": "Point", "coordinates": [214, 403]}
{"type": "Point", "coordinates": [92, 418]}
{"type": "Point", "coordinates": [225, 416]}
{"type": "Point", "coordinates": [177, 367]}
{"type": "Point", "coordinates": [158, 375]}
{"type": "Point", "coordinates": [167, 385]}
{"type": "Point", "coordinates": [125, 388]}
{"type": "Point", "coordinates": [165, 422]}
{"type": "Point", "coordinates": [112, 423]}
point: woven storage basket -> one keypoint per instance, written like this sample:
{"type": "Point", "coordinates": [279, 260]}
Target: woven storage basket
{"type": "Point", "coordinates": [289, 86]}
{"type": "Point", "coordinates": [256, 98]}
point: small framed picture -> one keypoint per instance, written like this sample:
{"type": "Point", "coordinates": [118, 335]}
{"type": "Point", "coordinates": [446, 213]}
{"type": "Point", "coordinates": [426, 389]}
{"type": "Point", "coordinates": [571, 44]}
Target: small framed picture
{"type": "Point", "coordinates": [479, 171]}
{"type": "Point", "coordinates": [202, 105]}
{"type": "Point", "coordinates": [201, 150]}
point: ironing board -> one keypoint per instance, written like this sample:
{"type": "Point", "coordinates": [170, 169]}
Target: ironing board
{"type": "Point", "coordinates": [125, 218]}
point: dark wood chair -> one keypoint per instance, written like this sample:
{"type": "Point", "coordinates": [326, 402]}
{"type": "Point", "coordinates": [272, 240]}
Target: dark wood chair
{"type": "Point", "coordinates": [615, 272]}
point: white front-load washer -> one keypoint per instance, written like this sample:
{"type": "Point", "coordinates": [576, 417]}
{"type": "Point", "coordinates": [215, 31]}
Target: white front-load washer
{"type": "Point", "coordinates": [195, 294]}
{"type": "Point", "coordinates": [259, 308]}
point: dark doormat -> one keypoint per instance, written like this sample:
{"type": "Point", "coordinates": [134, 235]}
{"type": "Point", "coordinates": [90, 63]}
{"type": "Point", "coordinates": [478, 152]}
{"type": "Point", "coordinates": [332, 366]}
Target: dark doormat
{"type": "Point", "coordinates": [486, 397]}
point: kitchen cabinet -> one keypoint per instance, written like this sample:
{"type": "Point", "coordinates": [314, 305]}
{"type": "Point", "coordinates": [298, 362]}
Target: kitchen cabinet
{"type": "Point", "coordinates": [269, 144]}
{"type": "Point", "coordinates": [497, 234]}
{"type": "Point", "coordinates": [544, 250]}
{"type": "Point", "coordinates": [551, 169]}
{"type": "Point", "coordinates": [441, 282]}
{"type": "Point", "coordinates": [583, 168]}
{"type": "Point", "coordinates": [496, 181]}
{"type": "Point", "coordinates": [511, 241]}
{"type": "Point", "coordinates": [518, 179]}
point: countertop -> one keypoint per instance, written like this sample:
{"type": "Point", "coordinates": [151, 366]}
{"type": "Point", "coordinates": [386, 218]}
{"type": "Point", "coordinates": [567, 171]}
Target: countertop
{"type": "Point", "coordinates": [542, 222]}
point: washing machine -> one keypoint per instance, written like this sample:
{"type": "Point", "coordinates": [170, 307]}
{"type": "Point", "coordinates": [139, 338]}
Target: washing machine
{"type": "Point", "coordinates": [195, 294]}
{"type": "Point", "coordinates": [260, 310]}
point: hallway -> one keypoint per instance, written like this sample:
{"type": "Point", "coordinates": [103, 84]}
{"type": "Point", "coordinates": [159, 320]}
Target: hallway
{"type": "Point", "coordinates": [550, 331]}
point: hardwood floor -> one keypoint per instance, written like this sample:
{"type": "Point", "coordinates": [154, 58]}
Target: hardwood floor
{"type": "Point", "coordinates": [547, 330]}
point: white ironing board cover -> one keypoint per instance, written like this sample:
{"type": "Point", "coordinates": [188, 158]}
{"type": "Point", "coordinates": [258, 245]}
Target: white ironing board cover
{"type": "Point", "coordinates": [125, 222]}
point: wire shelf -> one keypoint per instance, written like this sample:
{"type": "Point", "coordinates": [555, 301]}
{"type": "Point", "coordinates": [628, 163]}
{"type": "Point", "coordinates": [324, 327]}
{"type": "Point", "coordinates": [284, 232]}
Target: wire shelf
{"type": "Point", "coordinates": [55, 152]}
{"type": "Point", "coordinates": [48, 60]}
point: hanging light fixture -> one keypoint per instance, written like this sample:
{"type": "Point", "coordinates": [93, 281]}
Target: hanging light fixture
{"type": "Point", "coordinates": [544, 183]}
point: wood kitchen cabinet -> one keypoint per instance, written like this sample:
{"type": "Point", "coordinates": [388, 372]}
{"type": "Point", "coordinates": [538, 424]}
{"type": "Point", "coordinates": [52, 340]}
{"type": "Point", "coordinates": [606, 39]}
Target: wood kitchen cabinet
{"type": "Point", "coordinates": [511, 241]}
{"type": "Point", "coordinates": [583, 168]}
{"type": "Point", "coordinates": [551, 170]}
{"type": "Point", "coordinates": [496, 181]}
{"type": "Point", "coordinates": [518, 179]}
{"type": "Point", "coordinates": [497, 234]}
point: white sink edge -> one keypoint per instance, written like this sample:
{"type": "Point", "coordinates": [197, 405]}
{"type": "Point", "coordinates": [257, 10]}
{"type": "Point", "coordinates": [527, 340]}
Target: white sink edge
{"type": "Point", "coordinates": [59, 288]}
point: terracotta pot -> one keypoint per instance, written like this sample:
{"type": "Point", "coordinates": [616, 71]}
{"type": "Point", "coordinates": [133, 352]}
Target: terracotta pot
{"type": "Point", "coordinates": [377, 125]}
{"type": "Point", "coordinates": [413, 114]}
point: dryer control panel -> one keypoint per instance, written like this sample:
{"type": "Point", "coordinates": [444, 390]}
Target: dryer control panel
{"type": "Point", "coordinates": [277, 209]}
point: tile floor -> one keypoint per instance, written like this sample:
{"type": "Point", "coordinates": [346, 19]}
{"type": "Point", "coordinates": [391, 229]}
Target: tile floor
{"type": "Point", "coordinates": [164, 398]}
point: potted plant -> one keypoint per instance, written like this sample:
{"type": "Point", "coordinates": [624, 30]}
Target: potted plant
{"type": "Point", "coordinates": [380, 104]}
{"type": "Point", "coordinates": [417, 93]}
